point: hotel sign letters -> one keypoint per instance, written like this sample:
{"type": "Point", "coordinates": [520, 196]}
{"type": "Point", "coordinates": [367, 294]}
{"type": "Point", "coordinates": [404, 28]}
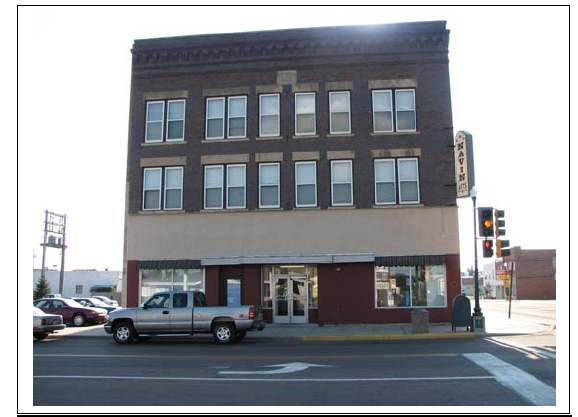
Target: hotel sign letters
{"type": "Point", "coordinates": [464, 161]}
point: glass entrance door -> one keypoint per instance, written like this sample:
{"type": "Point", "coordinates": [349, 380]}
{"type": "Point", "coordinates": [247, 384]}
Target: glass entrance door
{"type": "Point", "coordinates": [290, 299]}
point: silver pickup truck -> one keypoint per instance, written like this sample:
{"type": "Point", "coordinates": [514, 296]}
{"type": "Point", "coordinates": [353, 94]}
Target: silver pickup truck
{"type": "Point", "coordinates": [183, 312]}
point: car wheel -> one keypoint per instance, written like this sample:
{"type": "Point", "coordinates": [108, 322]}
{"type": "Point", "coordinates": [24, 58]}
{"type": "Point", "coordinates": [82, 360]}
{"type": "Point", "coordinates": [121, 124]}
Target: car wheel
{"type": "Point", "coordinates": [224, 333]}
{"type": "Point", "coordinates": [123, 332]}
{"type": "Point", "coordinates": [40, 336]}
{"type": "Point", "coordinates": [78, 320]}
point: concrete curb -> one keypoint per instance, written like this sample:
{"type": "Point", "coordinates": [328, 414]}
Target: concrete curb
{"type": "Point", "coordinates": [361, 337]}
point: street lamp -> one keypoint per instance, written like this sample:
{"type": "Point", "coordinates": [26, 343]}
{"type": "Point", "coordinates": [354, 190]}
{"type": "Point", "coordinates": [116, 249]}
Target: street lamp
{"type": "Point", "coordinates": [477, 319]}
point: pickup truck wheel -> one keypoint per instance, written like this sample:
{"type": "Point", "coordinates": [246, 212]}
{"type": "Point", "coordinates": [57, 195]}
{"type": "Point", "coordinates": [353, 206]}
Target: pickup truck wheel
{"type": "Point", "coordinates": [40, 336]}
{"type": "Point", "coordinates": [224, 333]}
{"type": "Point", "coordinates": [123, 332]}
{"type": "Point", "coordinates": [78, 320]}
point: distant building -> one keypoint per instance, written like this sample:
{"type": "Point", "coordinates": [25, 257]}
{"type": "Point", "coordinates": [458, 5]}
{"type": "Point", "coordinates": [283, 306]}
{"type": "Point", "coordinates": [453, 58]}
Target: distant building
{"type": "Point", "coordinates": [492, 286]}
{"type": "Point", "coordinates": [534, 273]}
{"type": "Point", "coordinates": [84, 283]}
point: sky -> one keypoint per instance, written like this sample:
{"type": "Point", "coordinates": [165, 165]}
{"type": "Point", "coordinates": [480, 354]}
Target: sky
{"type": "Point", "coordinates": [509, 76]}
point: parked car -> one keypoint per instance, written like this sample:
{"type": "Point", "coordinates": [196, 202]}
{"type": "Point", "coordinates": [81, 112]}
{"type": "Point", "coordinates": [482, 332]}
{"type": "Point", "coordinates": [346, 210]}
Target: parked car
{"type": "Point", "coordinates": [72, 311]}
{"type": "Point", "coordinates": [44, 324]}
{"type": "Point", "coordinates": [95, 302]}
{"type": "Point", "coordinates": [106, 300]}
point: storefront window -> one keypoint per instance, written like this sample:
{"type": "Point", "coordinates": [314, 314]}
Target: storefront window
{"type": "Point", "coordinates": [416, 286]}
{"type": "Point", "coordinates": [157, 280]}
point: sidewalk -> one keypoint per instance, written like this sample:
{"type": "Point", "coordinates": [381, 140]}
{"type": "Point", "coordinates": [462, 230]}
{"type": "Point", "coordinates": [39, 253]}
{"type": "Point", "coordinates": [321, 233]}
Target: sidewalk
{"type": "Point", "coordinates": [495, 325]}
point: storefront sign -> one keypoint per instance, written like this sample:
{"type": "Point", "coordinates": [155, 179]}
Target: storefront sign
{"type": "Point", "coordinates": [464, 162]}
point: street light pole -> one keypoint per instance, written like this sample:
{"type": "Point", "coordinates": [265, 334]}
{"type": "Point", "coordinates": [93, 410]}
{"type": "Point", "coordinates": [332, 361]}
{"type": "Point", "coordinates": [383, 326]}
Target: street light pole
{"type": "Point", "coordinates": [477, 309]}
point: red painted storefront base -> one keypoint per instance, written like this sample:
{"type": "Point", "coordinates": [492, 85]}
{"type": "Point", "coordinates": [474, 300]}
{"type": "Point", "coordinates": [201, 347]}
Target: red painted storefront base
{"type": "Point", "coordinates": [346, 292]}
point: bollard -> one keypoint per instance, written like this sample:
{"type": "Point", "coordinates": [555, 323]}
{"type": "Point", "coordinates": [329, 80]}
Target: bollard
{"type": "Point", "coordinates": [420, 321]}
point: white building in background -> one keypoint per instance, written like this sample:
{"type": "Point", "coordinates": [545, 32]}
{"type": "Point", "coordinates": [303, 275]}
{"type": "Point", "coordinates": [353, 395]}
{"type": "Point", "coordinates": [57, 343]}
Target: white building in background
{"type": "Point", "coordinates": [83, 283]}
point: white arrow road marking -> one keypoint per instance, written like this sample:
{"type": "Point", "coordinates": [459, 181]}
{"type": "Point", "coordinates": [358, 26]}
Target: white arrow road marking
{"type": "Point", "coordinates": [285, 369]}
{"type": "Point", "coordinates": [514, 378]}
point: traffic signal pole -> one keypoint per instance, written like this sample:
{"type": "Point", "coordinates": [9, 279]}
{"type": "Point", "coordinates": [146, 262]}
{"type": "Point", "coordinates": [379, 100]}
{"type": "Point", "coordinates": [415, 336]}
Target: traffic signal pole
{"type": "Point", "coordinates": [477, 308]}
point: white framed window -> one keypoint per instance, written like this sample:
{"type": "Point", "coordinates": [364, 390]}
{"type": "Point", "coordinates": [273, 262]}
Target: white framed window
{"type": "Point", "coordinates": [236, 186]}
{"type": "Point", "coordinates": [306, 184]}
{"type": "Point", "coordinates": [154, 121]}
{"type": "Point", "coordinates": [269, 185]}
{"type": "Point", "coordinates": [408, 182]}
{"type": "Point", "coordinates": [341, 183]}
{"type": "Point", "coordinates": [382, 111]}
{"type": "Point", "coordinates": [405, 110]}
{"type": "Point", "coordinates": [213, 187]}
{"type": "Point", "coordinates": [176, 120]}
{"type": "Point", "coordinates": [340, 114]}
{"type": "Point", "coordinates": [215, 123]}
{"type": "Point", "coordinates": [152, 184]}
{"type": "Point", "coordinates": [173, 188]}
{"type": "Point", "coordinates": [305, 123]}
{"type": "Point", "coordinates": [269, 115]}
{"type": "Point", "coordinates": [384, 181]}
{"type": "Point", "coordinates": [237, 117]}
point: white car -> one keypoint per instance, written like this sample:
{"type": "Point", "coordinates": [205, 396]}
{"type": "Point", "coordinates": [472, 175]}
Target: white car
{"type": "Point", "coordinates": [106, 300]}
{"type": "Point", "coordinates": [44, 324]}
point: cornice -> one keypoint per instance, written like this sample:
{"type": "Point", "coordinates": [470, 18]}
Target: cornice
{"type": "Point", "coordinates": [199, 51]}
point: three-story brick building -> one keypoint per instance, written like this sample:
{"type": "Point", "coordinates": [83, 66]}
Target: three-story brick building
{"type": "Point", "coordinates": [307, 170]}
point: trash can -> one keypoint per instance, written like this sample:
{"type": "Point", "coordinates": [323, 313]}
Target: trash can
{"type": "Point", "coordinates": [461, 313]}
{"type": "Point", "coordinates": [420, 321]}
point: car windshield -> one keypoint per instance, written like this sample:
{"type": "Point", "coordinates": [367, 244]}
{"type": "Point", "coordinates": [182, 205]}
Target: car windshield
{"type": "Point", "coordinates": [97, 302]}
{"type": "Point", "coordinates": [72, 303]}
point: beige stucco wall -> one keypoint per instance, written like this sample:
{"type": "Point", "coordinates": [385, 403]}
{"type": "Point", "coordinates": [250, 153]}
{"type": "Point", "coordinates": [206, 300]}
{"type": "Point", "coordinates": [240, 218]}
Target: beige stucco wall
{"type": "Point", "coordinates": [381, 231]}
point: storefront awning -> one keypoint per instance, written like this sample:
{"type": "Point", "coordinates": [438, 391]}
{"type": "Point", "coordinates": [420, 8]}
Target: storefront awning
{"type": "Point", "coordinates": [170, 264]}
{"type": "Point", "coordinates": [410, 260]}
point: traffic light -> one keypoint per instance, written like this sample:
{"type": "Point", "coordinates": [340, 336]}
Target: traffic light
{"type": "Point", "coordinates": [499, 223]}
{"type": "Point", "coordinates": [502, 248]}
{"type": "Point", "coordinates": [488, 248]}
{"type": "Point", "coordinates": [486, 222]}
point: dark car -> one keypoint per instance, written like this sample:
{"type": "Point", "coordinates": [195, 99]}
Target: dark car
{"type": "Point", "coordinates": [95, 302]}
{"type": "Point", "coordinates": [72, 311]}
{"type": "Point", "coordinates": [44, 324]}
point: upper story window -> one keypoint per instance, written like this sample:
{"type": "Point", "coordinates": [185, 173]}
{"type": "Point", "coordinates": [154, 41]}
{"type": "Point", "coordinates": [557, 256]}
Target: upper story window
{"type": "Point", "coordinates": [154, 182]}
{"type": "Point", "coordinates": [236, 117]}
{"type": "Point", "coordinates": [341, 183]}
{"type": "Point", "coordinates": [306, 184]}
{"type": "Point", "coordinates": [305, 123]}
{"type": "Point", "coordinates": [269, 115]}
{"type": "Point", "coordinates": [230, 187]}
{"type": "Point", "coordinates": [393, 177]}
{"type": "Point", "coordinates": [169, 113]}
{"type": "Point", "coordinates": [384, 181]}
{"type": "Point", "coordinates": [340, 112]}
{"type": "Point", "coordinates": [384, 103]}
{"type": "Point", "coordinates": [408, 178]}
{"type": "Point", "coordinates": [269, 185]}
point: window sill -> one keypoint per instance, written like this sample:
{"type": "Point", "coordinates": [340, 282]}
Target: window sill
{"type": "Point", "coordinates": [223, 210]}
{"type": "Point", "coordinates": [416, 132]}
{"type": "Point", "coordinates": [307, 208]}
{"type": "Point", "coordinates": [164, 143]}
{"type": "Point", "coordinates": [397, 205]}
{"type": "Point", "coordinates": [269, 138]}
{"type": "Point", "coordinates": [340, 135]}
{"type": "Point", "coordinates": [305, 137]}
{"type": "Point", "coordinates": [341, 208]}
{"type": "Point", "coordinates": [161, 212]}
{"type": "Point", "coordinates": [225, 140]}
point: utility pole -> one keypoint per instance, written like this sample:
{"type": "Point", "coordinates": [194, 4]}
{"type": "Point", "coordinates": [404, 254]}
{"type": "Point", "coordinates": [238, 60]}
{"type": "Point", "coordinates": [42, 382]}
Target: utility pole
{"type": "Point", "coordinates": [54, 223]}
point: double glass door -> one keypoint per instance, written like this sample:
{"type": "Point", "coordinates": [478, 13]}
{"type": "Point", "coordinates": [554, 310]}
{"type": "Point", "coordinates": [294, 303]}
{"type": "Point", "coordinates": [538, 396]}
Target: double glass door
{"type": "Point", "coordinates": [290, 298]}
